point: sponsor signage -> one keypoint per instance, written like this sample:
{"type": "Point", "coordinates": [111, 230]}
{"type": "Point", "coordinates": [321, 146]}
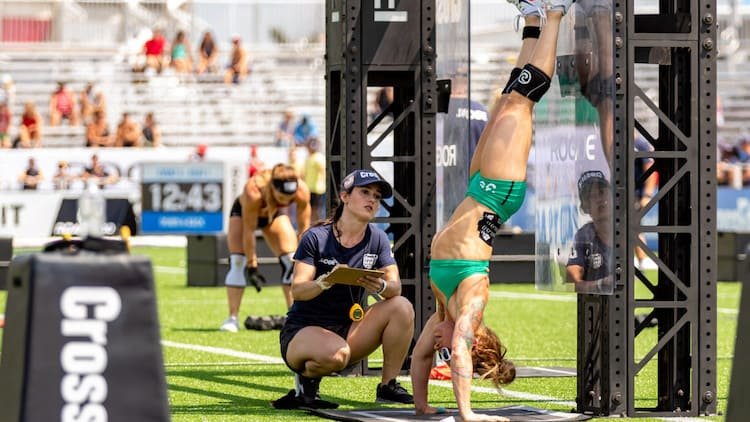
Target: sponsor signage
{"type": "Point", "coordinates": [28, 214]}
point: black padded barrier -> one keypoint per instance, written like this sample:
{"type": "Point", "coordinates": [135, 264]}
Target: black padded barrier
{"type": "Point", "coordinates": [738, 407]}
{"type": "Point", "coordinates": [81, 340]}
{"type": "Point", "coordinates": [732, 255]}
{"type": "Point", "coordinates": [205, 255]}
{"type": "Point", "coordinates": [208, 260]}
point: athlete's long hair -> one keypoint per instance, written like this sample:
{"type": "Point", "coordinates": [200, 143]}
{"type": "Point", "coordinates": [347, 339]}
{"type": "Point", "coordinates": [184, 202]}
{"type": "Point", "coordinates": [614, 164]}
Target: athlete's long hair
{"type": "Point", "coordinates": [488, 356]}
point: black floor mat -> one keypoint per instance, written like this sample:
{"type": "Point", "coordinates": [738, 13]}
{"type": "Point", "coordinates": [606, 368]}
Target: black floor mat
{"type": "Point", "coordinates": [514, 413]}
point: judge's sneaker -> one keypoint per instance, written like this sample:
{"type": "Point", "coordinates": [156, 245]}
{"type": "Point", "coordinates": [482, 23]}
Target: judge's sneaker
{"type": "Point", "coordinates": [393, 392]}
{"type": "Point", "coordinates": [561, 5]}
{"type": "Point", "coordinates": [230, 325]}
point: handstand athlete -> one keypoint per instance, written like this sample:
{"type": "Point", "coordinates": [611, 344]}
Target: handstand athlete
{"type": "Point", "coordinates": [461, 250]}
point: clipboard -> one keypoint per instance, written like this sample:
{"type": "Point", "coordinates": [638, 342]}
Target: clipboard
{"type": "Point", "coordinates": [349, 275]}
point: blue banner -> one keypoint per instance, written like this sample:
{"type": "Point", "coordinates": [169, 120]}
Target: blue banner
{"type": "Point", "coordinates": [733, 209]}
{"type": "Point", "coordinates": [181, 222]}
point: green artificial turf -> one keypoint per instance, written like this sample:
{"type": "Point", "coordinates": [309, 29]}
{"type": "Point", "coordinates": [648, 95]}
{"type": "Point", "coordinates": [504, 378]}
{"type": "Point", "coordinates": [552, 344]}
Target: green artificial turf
{"type": "Point", "coordinates": [214, 386]}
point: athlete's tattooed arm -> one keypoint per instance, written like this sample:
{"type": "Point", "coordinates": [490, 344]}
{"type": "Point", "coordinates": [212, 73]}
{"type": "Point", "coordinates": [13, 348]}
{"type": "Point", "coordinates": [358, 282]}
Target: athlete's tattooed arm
{"type": "Point", "coordinates": [462, 368]}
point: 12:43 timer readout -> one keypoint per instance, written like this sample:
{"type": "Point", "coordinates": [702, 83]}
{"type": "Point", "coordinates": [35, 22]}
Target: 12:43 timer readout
{"type": "Point", "coordinates": [172, 196]}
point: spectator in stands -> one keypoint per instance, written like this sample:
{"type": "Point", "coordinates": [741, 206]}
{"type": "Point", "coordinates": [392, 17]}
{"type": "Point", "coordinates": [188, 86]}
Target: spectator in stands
{"type": "Point", "coordinates": [151, 131]}
{"type": "Point", "coordinates": [742, 151]}
{"type": "Point", "coordinates": [589, 261]}
{"type": "Point", "coordinates": [96, 172]}
{"type": "Point", "coordinates": [62, 105]}
{"type": "Point", "coordinates": [154, 51]}
{"type": "Point", "coordinates": [8, 91]}
{"type": "Point", "coordinates": [6, 119]}
{"type": "Point", "coordinates": [314, 173]}
{"type": "Point", "coordinates": [92, 98]}
{"type": "Point", "coordinates": [256, 165]}
{"type": "Point", "coordinates": [182, 56]}
{"type": "Point", "coordinates": [327, 329]}
{"type": "Point", "coordinates": [62, 179]}
{"type": "Point", "coordinates": [207, 53]}
{"type": "Point", "coordinates": [199, 154]}
{"type": "Point", "coordinates": [258, 207]}
{"type": "Point", "coordinates": [31, 176]}
{"type": "Point", "coordinates": [285, 131]}
{"type": "Point", "coordinates": [237, 69]}
{"type": "Point", "coordinates": [128, 132]}
{"type": "Point", "coordinates": [30, 129]}
{"type": "Point", "coordinates": [733, 169]}
{"type": "Point", "coordinates": [305, 130]}
{"type": "Point", "coordinates": [97, 132]}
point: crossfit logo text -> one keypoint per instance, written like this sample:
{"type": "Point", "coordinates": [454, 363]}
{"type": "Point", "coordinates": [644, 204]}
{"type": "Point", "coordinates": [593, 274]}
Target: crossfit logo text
{"type": "Point", "coordinates": [86, 311]}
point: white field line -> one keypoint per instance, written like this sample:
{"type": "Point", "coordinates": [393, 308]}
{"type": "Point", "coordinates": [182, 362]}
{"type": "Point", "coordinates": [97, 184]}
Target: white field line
{"type": "Point", "coordinates": [534, 296]}
{"type": "Point", "coordinates": [199, 364]}
{"type": "Point", "coordinates": [550, 370]}
{"type": "Point", "coordinates": [569, 298]}
{"type": "Point", "coordinates": [223, 351]}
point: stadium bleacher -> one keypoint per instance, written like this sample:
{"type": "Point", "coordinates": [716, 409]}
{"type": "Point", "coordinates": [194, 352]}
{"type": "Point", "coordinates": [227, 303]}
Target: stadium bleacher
{"type": "Point", "coordinates": [194, 109]}
{"type": "Point", "coordinates": [190, 110]}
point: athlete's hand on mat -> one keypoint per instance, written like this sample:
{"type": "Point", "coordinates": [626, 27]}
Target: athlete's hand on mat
{"type": "Point", "coordinates": [429, 410]}
{"type": "Point", "coordinates": [478, 417]}
{"type": "Point", "coordinates": [255, 278]}
{"type": "Point", "coordinates": [371, 283]}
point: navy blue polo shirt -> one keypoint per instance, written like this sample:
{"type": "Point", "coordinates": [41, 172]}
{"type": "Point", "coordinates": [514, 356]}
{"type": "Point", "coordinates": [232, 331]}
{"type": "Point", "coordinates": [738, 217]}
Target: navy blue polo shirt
{"type": "Point", "coordinates": [320, 248]}
{"type": "Point", "coordinates": [591, 253]}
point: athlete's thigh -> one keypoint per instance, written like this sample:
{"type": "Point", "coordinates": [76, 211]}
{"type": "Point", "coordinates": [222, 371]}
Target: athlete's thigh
{"type": "Point", "coordinates": [313, 343]}
{"type": "Point", "coordinates": [280, 235]}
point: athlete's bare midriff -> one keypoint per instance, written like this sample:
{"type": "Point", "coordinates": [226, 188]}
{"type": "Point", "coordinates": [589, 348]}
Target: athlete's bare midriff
{"type": "Point", "coordinates": [459, 238]}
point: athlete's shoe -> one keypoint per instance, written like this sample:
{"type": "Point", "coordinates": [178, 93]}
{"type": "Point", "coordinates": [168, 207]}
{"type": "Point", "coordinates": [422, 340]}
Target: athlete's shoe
{"type": "Point", "coordinates": [562, 5]}
{"type": "Point", "coordinates": [230, 325]}
{"type": "Point", "coordinates": [529, 7]}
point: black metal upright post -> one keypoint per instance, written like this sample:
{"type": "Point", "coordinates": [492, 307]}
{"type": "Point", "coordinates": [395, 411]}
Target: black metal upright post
{"type": "Point", "coordinates": [680, 42]}
{"type": "Point", "coordinates": [386, 43]}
